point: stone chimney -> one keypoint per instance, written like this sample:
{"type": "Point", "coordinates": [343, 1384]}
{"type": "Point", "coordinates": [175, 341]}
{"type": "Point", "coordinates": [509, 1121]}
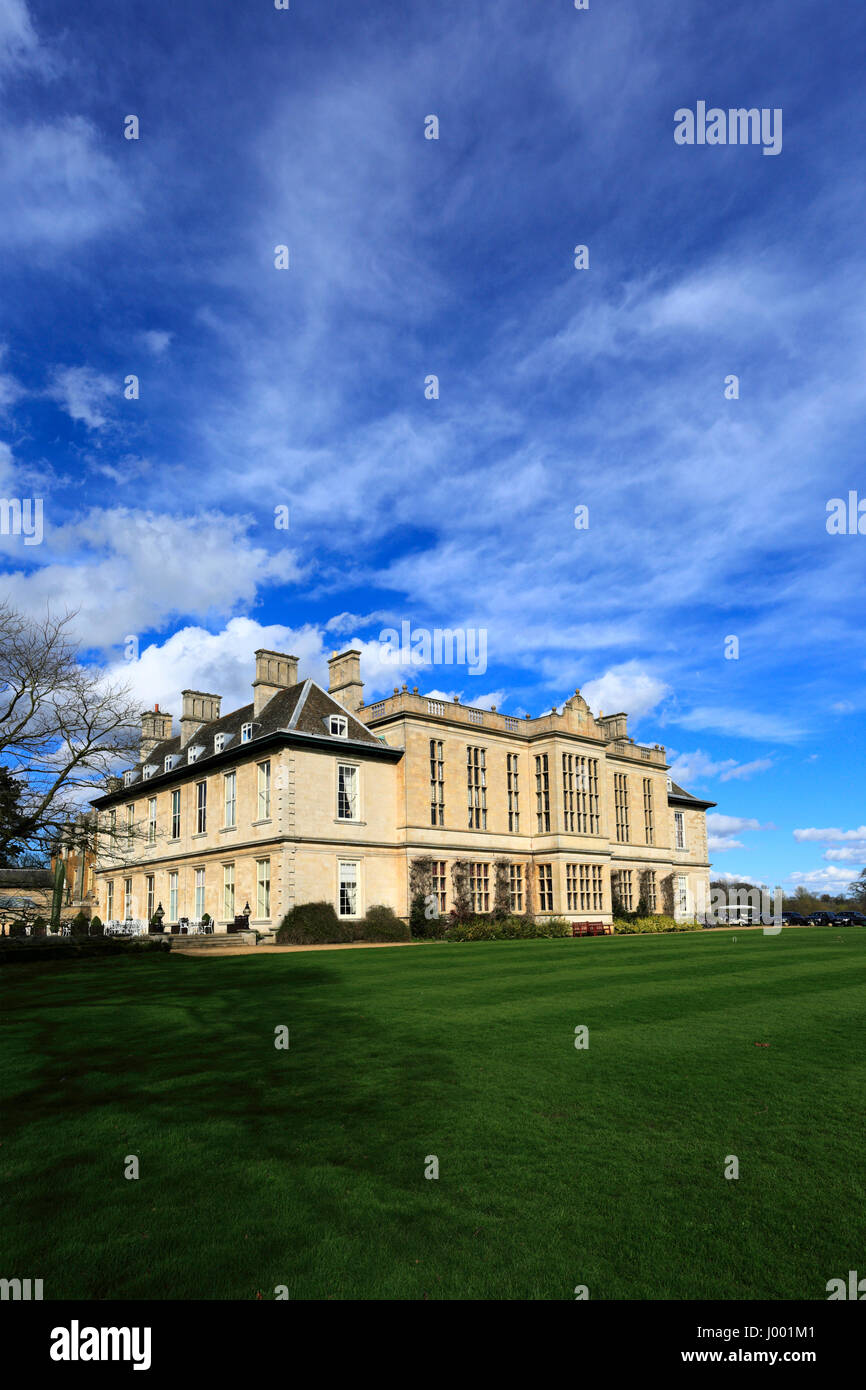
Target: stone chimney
{"type": "Point", "coordinates": [613, 725]}
{"type": "Point", "coordinates": [155, 728]}
{"type": "Point", "coordinates": [344, 679]}
{"type": "Point", "coordinates": [198, 708]}
{"type": "Point", "coordinates": [274, 672]}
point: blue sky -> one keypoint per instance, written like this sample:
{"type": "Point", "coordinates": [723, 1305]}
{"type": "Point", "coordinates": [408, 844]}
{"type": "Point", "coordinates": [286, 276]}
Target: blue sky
{"type": "Point", "coordinates": [304, 388]}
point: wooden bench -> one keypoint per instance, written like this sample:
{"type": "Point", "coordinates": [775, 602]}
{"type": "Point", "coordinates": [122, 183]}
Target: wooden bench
{"type": "Point", "coordinates": [588, 929]}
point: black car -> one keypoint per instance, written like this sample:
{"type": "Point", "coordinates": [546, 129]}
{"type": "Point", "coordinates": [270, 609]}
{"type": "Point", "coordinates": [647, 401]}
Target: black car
{"type": "Point", "coordinates": [850, 919]}
{"type": "Point", "coordinates": [822, 919]}
{"type": "Point", "coordinates": [793, 919]}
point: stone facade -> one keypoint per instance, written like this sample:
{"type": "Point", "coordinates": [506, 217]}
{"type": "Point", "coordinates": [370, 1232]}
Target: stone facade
{"type": "Point", "coordinates": [305, 795]}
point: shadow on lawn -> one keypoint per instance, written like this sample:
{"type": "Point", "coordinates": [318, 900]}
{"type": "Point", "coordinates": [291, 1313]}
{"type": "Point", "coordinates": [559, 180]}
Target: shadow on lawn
{"type": "Point", "coordinates": [175, 1062]}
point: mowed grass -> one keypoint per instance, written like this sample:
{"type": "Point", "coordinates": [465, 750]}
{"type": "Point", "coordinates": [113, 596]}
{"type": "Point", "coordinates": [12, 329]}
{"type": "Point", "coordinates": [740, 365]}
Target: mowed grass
{"type": "Point", "coordinates": [557, 1166]}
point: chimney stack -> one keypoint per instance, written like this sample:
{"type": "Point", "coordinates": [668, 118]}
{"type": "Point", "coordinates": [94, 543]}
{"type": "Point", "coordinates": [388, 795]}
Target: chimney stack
{"type": "Point", "coordinates": [344, 679]}
{"type": "Point", "coordinates": [613, 725]}
{"type": "Point", "coordinates": [274, 672]}
{"type": "Point", "coordinates": [155, 728]}
{"type": "Point", "coordinates": [198, 708]}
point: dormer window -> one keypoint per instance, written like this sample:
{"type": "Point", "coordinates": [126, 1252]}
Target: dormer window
{"type": "Point", "coordinates": [148, 771]}
{"type": "Point", "coordinates": [169, 762]}
{"type": "Point", "coordinates": [338, 725]}
{"type": "Point", "coordinates": [246, 733]}
{"type": "Point", "coordinates": [219, 742]}
{"type": "Point", "coordinates": [127, 778]}
{"type": "Point", "coordinates": [194, 753]}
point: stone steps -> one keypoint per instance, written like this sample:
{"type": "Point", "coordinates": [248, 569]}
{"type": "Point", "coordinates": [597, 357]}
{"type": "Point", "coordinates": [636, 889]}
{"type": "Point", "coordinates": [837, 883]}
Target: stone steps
{"type": "Point", "coordinates": [236, 941]}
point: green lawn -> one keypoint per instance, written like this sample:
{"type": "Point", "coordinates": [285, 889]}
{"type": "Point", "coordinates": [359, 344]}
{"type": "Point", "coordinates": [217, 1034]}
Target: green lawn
{"type": "Point", "coordinates": [557, 1167]}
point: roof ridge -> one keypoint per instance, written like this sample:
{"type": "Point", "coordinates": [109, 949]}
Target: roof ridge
{"type": "Point", "coordinates": [300, 702]}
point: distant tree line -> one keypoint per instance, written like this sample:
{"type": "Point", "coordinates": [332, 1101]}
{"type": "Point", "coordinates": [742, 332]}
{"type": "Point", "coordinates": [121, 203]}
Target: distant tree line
{"type": "Point", "coordinates": [802, 901]}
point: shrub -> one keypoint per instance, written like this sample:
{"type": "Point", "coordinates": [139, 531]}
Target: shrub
{"type": "Point", "coordinates": [18, 929]}
{"type": "Point", "coordinates": [381, 924]}
{"type": "Point", "coordinates": [38, 927]}
{"type": "Point", "coordinates": [80, 924]}
{"type": "Point", "coordinates": [71, 948]}
{"type": "Point", "coordinates": [313, 924]}
{"type": "Point", "coordinates": [650, 925]}
{"type": "Point", "coordinates": [507, 928]}
{"type": "Point", "coordinates": [96, 927]}
{"type": "Point", "coordinates": [554, 927]}
{"type": "Point", "coordinates": [422, 927]}
{"type": "Point", "coordinates": [473, 929]}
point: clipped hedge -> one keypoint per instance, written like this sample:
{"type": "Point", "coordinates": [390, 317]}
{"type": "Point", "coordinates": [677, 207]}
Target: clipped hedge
{"type": "Point", "coordinates": [75, 948]}
{"type": "Point", "coordinates": [507, 929]}
{"type": "Point", "coordinates": [317, 924]}
{"type": "Point", "coordinates": [639, 926]}
{"type": "Point", "coordinates": [313, 924]}
{"type": "Point", "coordinates": [381, 924]}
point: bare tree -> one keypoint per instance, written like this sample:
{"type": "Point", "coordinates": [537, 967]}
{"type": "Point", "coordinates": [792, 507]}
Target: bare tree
{"type": "Point", "coordinates": [63, 729]}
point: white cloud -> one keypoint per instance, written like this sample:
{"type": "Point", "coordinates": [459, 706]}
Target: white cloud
{"type": "Point", "coordinates": [6, 462]}
{"type": "Point", "coordinates": [11, 389]}
{"type": "Point", "coordinates": [349, 622]}
{"type": "Point", "coordinates": [155, 341]}
{"type": "Point", "coordinates": [57, 186]}
{"type": "Point", "coordinates": [830, 835]}
{"type": "Point", "coordinates": [126, 571]}
{"type": "Point", "coordinates": [725, 719]}
{"type": "Point", "coordinates": [825, 880]}
{"type": "Point", "coordinates": [629, 687]}
{"type": "Point", "coordinates": [851, 855]}
{"type": "Point", "coordinates": [742, 771]}
{"type": "Point", "coordinates": [732, 824]}
{"type": "Point", "coordinates": [696, 767]}
{"type": "Point", "coordinates": [723, 830]}
{"type": "Point", "coordinates": [221, 663]}
{"type": "Point", "coordinates": [19, 46]}
{"type": "Point", "coordinates": [83, 393]}
{"type": "Point", "coordinates": [496, 697]}
{"type": "Point", "coordinates": [738, 878]}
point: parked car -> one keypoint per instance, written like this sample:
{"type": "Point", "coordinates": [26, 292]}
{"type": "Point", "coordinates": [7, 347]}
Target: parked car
{"type": "Point", "coordinates": [850, 919]}
{"type": "Point", "coordinates": [793, 919]}
{"type": "Point", "coordinates": [822, 919]}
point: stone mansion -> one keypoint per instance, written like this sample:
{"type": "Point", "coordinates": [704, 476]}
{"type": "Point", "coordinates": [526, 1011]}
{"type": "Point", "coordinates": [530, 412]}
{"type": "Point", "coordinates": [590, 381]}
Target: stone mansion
{"type": "Point", "coordinates": [304, 795]}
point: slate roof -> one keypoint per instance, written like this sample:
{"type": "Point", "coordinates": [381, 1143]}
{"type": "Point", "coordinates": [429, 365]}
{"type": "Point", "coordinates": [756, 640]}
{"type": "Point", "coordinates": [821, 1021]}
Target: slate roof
{"type": "Point", "coordinates": [300, 710]}
{"type": "Point", "coordinates": [680, 794]}
{"type": "Point", "coordinates": [12, 877]}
